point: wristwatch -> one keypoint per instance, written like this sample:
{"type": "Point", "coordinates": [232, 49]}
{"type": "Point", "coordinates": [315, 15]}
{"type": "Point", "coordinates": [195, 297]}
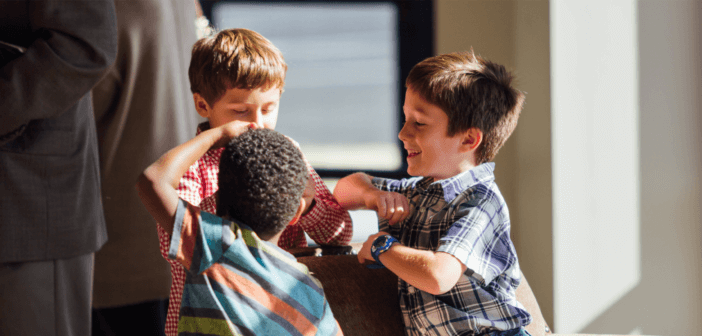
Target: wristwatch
{"type": "Point", "coordinates": [380, 245]}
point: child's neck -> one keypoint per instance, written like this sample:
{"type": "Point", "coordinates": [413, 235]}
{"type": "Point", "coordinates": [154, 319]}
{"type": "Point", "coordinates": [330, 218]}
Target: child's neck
{"type": "Point", "coordinates": [463, 167]}
{"type": "Point", "coordinates": [274, 240]}
{"type": "Point", "coordinates": [467, 165]}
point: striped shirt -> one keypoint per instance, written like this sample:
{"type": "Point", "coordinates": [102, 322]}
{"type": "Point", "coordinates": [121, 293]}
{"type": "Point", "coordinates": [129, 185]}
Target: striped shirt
{"type": "Point", "coordinates": [237, 284]}
{"type": "Point", "coordinates": [327, 223]}
{"type": "Point", "coordinates": [467, 217]}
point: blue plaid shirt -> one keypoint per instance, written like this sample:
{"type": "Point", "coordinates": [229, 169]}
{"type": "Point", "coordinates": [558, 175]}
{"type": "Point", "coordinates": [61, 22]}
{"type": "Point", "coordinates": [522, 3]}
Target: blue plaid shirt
{"type": "Point", "coordinates": [467, 217]}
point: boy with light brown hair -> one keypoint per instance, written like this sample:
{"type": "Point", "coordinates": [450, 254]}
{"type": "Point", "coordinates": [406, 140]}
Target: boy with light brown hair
{"type": "Point", "coordinates": [239, 75]}
{"type": "Point", "coordinates": [445, 233]}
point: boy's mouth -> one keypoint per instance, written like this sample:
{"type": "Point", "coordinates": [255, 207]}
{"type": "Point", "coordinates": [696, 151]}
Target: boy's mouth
{"type": "Point", "coordinates": [412, 154]}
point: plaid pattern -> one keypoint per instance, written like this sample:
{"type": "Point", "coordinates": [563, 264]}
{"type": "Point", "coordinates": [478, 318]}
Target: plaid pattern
{"type": "Point", "coordinates": [327, 223]}
{"type": "Point", "coordinates": [238, 284]}
{"type": "Point", "coordinates": [467, 217]}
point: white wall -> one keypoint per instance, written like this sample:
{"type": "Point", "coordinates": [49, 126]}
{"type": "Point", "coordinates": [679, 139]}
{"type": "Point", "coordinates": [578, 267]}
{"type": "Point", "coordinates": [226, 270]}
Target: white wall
{"type": "Point", "coordinates": [651, 284]}
{"type": "Point", "coordinates": [661, 292]}
{"type": "Point", "coordinates": [595, 121]}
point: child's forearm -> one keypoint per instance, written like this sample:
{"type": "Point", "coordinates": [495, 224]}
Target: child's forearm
{"type": "Point", "coordinates": [351, 190]}
{"type": "Point", "coordinates": [327, 223]}
{"type": "Point", "coordinates": [433, 272]}
{"type": "Point", "coordinates": [357, 191]}
{"type": "Point", "coordinates": [158, 183]}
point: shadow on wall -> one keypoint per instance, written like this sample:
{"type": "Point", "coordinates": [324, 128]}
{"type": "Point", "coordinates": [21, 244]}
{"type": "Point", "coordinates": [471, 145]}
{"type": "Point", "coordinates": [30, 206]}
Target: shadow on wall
{"type": "Point", "coordinates": [667, 300]}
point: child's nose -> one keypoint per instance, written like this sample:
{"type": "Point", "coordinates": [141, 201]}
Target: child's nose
{"type": "Point", "coordinates": [403, 133]}
{"type": "Point", "coordinates": [258, 119]}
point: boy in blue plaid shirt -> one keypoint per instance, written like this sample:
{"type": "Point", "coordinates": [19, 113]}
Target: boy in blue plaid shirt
{"type": "Point", "coordinates": [445, 232]}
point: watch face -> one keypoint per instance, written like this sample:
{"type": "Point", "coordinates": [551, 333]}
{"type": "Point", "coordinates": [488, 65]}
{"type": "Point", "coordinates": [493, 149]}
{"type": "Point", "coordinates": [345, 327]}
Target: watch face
{"type": "Point", "coordinates": [380, 242]}
{"type": "Point", "coordinates": [380, 245]}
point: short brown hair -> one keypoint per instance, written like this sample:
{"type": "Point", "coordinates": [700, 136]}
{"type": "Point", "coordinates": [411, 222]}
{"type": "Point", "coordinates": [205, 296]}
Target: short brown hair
{"type": "Point", "coordinates": [235, 59]}
{"type": "Point", "coordinates": [473, 92]}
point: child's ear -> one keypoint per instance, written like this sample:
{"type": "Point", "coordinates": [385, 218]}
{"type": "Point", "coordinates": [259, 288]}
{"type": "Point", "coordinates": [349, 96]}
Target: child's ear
{"type": "Point", "coordinates": [472, 138]}
{"type": "Point", "coordinates": [300, 209]}
{"type": "Point", "coordinates": [201, 105]}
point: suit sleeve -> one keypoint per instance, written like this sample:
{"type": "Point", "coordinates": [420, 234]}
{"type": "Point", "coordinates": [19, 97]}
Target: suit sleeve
{"type": "Point", "coordinates": [75, 43]}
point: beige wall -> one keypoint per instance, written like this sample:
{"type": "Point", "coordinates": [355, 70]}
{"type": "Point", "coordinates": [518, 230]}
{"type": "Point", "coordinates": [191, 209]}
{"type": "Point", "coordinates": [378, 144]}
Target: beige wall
{"type": "Point", "coordinates": [668, 300]}
{"type": "Point", "coordinates": [515, 34]}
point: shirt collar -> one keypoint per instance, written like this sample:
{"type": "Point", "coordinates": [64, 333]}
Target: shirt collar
{"type": "Point", "coordinates": [454, 186]}
{"type": "Point", "coordinates": [213, 153]}
{"type": "Point", "coordinates": [203, 126]}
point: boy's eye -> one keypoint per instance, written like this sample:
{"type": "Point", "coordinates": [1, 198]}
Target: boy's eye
{"type": "Point", "coordinates": [418, 123]}
{"type": "Point", "coordinates": [239, 111]}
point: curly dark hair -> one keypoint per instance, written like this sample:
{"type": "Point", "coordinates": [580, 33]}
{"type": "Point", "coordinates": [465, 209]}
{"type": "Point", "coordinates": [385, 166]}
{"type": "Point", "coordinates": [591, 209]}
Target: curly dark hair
{"type": "Point", "coordinates": [261, 179]}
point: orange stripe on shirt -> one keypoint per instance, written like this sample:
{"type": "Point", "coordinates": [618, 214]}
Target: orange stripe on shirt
{"type": "Point", "coordinates": [252, 290]}
{"type": "Point", "coordinates": [188, 236]}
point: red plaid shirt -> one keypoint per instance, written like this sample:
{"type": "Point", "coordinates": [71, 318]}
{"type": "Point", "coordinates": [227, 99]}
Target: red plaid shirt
{"type": "Point", "coordinates": [326, 223]}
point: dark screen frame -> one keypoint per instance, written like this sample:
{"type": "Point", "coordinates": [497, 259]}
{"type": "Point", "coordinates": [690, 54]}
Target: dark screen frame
{"type": "Point", "coordinates": [415, 23]}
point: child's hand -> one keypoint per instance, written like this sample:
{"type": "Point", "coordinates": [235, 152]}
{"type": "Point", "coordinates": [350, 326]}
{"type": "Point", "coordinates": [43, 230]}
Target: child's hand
{"type": "Point", "coordinates": [390, 205]}
{"type": "Point", "coordinates": [231, 130]}
{"type": "Point", "coordinates": [308, 195]}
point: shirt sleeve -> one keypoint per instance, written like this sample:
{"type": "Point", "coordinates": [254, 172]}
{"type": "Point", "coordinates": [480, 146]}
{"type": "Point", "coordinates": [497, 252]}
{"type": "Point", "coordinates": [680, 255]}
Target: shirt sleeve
{"type": "Point", "coordinates": [75, 46]}
{"type": "Point", "coordinates": [190, 185]}
{"type": "Point", "coordinates": [327, 223]}
{"type": "Point", "coordinates": [387, 184]}
{"type": "Point", "coordinates": [164, 241]}
{"type": "Point", "coordinates": [197, 239]}
{"type": "Point", "coordinates": [189, 189]}
{"type": "Point", "coordinates": [399, 186]}
{"type": "Point", "coordinates": [481, 241]}
{"type": "Point", "coordinates": [209, 204]}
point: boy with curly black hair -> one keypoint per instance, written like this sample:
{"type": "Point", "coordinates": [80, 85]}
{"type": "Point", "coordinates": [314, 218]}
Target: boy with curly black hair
{"type": "Point", "coordinates": [238, 280]}
{"type": "Point", "coordinates": [264, 179]}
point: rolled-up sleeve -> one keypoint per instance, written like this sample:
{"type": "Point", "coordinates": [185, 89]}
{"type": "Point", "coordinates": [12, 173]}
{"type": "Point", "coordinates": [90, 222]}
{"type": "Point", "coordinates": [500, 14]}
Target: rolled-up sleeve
{"type": "Point", "coordinates": [481, 243]}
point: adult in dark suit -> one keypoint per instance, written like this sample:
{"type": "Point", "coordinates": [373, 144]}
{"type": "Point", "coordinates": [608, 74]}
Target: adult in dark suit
{"type": "Point", "coordinates": [51, 217]}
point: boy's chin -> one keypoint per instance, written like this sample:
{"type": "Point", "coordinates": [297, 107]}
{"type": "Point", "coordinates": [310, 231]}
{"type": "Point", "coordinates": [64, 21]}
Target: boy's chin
{"type": "Point", "coordinates": [413, 172]}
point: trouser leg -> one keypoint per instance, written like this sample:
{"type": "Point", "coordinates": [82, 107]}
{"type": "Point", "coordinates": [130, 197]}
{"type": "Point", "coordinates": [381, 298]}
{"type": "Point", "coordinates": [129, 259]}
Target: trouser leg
{"type": "Point", "coordinates": [50, 298]}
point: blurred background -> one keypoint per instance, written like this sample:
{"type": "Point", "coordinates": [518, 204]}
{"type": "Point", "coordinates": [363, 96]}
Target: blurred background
{"type": "Point", "coordinates": [602, 175]}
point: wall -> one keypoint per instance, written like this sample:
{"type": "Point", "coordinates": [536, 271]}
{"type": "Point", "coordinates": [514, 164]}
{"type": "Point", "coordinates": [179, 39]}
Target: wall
{"type": "Point", "coordinates": [668, 299]}
{"type": "Point", "coordinates": [595, 157]}
{"type": "Point", "coordinates": [665, 297]}
{"type": "Point", "coordinates": [515, 34]}
{"type": "Point", "coordinates": [532, 213]}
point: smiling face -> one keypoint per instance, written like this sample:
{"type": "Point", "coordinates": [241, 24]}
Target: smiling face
{"type": "Point", "coordinates": [430, 151]}
{"type": "Point", "coordinates": [250, 105]}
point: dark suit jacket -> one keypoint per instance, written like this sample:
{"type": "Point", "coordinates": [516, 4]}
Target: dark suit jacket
{"type": "Point", "coordinates": [50, 204]}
